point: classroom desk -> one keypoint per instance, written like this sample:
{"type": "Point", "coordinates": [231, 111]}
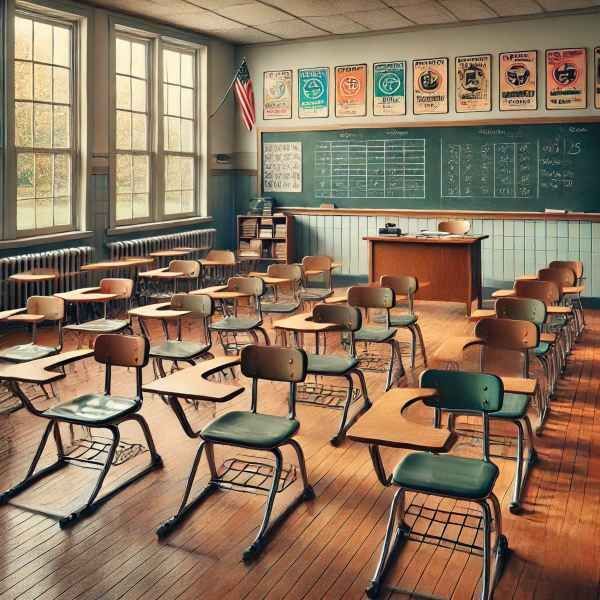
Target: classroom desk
{"type": "Point", "coordinates": [303, 323]}
{"type": "Point", "coordinates": [450, 266]}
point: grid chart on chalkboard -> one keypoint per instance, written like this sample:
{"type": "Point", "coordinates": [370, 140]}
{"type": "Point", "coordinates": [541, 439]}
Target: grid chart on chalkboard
{"type": "Point", "coordinates": [370, 169]}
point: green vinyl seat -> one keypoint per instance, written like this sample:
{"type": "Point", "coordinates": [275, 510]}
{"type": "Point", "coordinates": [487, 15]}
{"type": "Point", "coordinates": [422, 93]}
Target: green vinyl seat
{"type": "Point", "coordinates": [315, 293]}
{"type": "Point", "coordinates": [514, 406]}
{"type": "Point", "coordinates": [93, 408]}
{"type": "Point", "coordinates": [100, 326]}
{"type": "Point", "coordinates": [279, 307]}
{"type": "Point", "coordinates": [402, 320]}
{"type": "Point", "coordinates": [176, 350]}
{"type": "Point", "coordinates": [27, 352]}
{"type": "Point", "coordinates": [446, 475]}
{"type": "Point", "coordinates": [235, 324]}
{"type": "Point", "coordinates": [542, 348]}
{"type": "Point", "coordinates": [374, 334]}
{"type": "Point", "coordinates": [328, 364]}
{"type": "Point", "coordinates": [243, 428]}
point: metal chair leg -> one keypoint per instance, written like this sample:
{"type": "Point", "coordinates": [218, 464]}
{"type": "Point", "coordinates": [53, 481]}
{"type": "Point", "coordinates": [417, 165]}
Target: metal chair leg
{"type": "Point", "coordinates": [486, 589]}
{"type": "Point", "coordinates": [307, 493]}
{"type": "Point", "coordinates": [421, 343]}
{"type": "Point", "coordinates": [388, 383]}
{"type": "Point", "coordinates": [519, 478]}
{"type": "Point", "coordinates": [413, 346]}
{"type": "Point", "coordinates": [265, 335]}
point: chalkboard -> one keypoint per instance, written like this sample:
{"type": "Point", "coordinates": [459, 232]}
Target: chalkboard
{"type": "Point", "coordinates": [472, 167]}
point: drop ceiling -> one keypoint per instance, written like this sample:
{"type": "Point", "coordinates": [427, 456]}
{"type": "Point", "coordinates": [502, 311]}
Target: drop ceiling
{"type": "Point", "coordinates": [258, 21]}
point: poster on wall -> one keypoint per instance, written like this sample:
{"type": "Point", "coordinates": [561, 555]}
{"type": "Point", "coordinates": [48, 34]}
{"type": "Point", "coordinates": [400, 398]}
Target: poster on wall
{"type": "Point", "coordinates": [313, 92]}
{"type": "Point", "coordinates": [282, 166]}
{"type": "Point", "coordinates": [277, 94]}
{"type": "Point", "coordinates": [597, 77]}
{"type": "Point", "coordinates": [518, 80]}
{"type": "Point", "coordinates": [389, 88]}
{"type": "Point", "coordinates": [566, 78]}
{"type": "Point", "coordinates": [351, 91]}
{"type": "Point", "coordinates": [430, 86]}
{"type": "Point", "coordinates": [473, 83]}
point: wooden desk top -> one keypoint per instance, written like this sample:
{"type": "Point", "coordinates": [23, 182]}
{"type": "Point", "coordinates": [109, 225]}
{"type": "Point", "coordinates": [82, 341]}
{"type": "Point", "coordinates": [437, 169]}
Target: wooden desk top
{"type": "Point", "coordinates": [451, 350]}
{"type": "Point", "coordinates": [83, 295]}
{"type": "Point", "coordinates": [504, 293]}
{"type": "Point", "coordinates": [33, 276]}
{"type": "Point", "coordinates": [163, 273]}
{"type": "Point", "coordinates": [216, 263]}
{"type": "Point", "coordinates": [270, 280]}
{"type": "Point", "coordinates": [161, 310]}
{"type": "Point", "coordinates": [38, 371]}
{"type": "Point", "coordinates": [5, 314]}
{"type": "Point", "coordinates": [26, 318]}
{"type": "Point", "coordinates": [220, 292]}
{"type": "Point", "coordinates": [343, 296]}
{"type": "Point", "coordinates": [313, 272]}
{"type": "Point", "coordinates": [413, 239]}
{"type": "Point", "coordinates": [303, 322]}
{"type": "Point", "coordinates": [191, 382]}
{"type": "Point", "coordinates": [109, 265]}
{"type": "Point", "coordinates": [174, 252]}
{"type": "Point", "coordinates": [519, 385]}
{"type": "Point", "coordinates": [385, 425]}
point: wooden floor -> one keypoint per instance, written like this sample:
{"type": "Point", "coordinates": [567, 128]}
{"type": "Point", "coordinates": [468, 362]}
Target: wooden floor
{"type": "Point", "coordinates": [328, 547]}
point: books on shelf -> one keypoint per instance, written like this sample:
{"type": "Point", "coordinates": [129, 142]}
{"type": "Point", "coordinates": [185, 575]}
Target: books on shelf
{"type": "Point", "coordinates": [280, 250]}
{"type": "Point", "coordinates": [253, 248]}
{"type": "Point", "coordinates": [265, 232]}
{"type": "Point", "coordinates": [280, 230]}
{"type": "Point", "coordinates": [248, 227]}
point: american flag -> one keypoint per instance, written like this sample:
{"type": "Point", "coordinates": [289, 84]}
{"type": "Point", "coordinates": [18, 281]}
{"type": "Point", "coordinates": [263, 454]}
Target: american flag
{"type": "Point", "coordinates": [245, 96]}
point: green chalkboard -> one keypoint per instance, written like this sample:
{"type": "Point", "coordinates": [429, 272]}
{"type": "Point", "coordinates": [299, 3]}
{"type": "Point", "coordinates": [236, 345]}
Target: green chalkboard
{"type": "Point", "coordinates": [524, 167]}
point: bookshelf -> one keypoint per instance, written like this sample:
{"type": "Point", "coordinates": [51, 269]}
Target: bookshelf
{"type": "Point", "coordinates": [266, 237]}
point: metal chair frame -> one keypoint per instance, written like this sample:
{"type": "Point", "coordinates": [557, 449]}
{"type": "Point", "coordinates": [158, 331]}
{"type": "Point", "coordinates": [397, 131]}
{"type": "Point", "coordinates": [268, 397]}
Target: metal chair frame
{"type": "Point", "coordinates": [316, 263]}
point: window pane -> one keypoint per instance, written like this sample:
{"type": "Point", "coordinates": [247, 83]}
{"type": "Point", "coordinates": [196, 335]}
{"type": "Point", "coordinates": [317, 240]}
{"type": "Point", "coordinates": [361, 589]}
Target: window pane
{"type": "Point", "coordinates": [43, 175]}
{"type": "Point", "coordinates": [173, 100]}
{"type": "Point", "coordinates": [42, 42]}
{"type": "Point", "coordinates": [187, 70]}
{"type": "Point", "coordinates": [61, 133]}
{"type": "Point", "coordinates": [25, 180]}
{"type": "Point", "coordinates": [42, 129]}
{"type": "Point", "coordinates": [173, 173]}
{"type": "Point", "coordinates": [187, 136]}
{"type": "Point", "coordinates": [138, 132]}
{"type": "Point", "coordinates": [24, 124]}
{"type": "Point", "coordinates": [62, 211]}
{"type": "Point", "coordinates": [187, 103]}
{"type": "Point", "coordinates": [62, 175]}
{"type": "Point", "coordinates": [62, 46]}
{"type": "Point", "coordinates": [187, 201]}
{"type": "Point", "coordinates": [141, 206]}
{"type": "Point", "coordinates": [123, 92]}
{"type": "Point", "coordinates": [171, 66]}
{"type": "Point", "coordinates": [140, 174]}
{"type": "Point", "coordinates": [62, 93]}
{"type": "Point", "coordinates": [23, 81]}
{"type": "Point", "coordinates": [44, 217]}
{"type": "Point", "coordinates": [123, 130]}
{"type": "Point", "coordinates": [138, 95]}
{"type": "Point", "coordinates": [187, 173]}
{"type": "Point", "coordinates": [23, 39]}
{"type": "Point", "coordinates": [172, 134]}
{"type": "Point", "coordinates": [123, 56]}
{"type": "Point", "coordinates": [123, 207]}
{"type": "Point", "coordinates": [124, 178]}
{"type": "Point", "coordinates": [42, 83]}
{"type": "Point", "coordinates": [25, 214]}
{"type": "Point", "coordinates": [172, 202]}
{"type": "Point", "coordinates": [138, 60]}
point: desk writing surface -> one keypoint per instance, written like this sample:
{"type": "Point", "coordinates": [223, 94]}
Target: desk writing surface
{"type": "Point", "coordinates": [37, 371]}
{"type": "Point", "coordinates": [419, 239]}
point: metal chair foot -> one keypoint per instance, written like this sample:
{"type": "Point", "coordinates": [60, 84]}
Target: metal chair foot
{"type": "Point", "coordinates": [338, 440]}
{"type": "Point", "coordinates": [308, 493]}
{"type": "Point", "coordinates": [373, 590]}
{"type": "Point", "coordinates": [515, 508]}
{"type": "Point", "coordinates": [252, 551]}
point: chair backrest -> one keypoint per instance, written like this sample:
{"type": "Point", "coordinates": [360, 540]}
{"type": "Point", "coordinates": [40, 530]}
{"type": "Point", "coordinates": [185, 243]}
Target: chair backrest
{"type": "Point", "coordinates": [190, 268]}
{"type": "Point", "coordinates": [508, 334]}
{"type": "Point", "coordinates": [523, 309]}
{"type": "Point", "coordinates": [293, 272]}
{"type": "Point", "coordinates": [51, 307]}
{"type": "Point", "coordinates": [574, 265]}
{"type": "Point", "coordinates": [349, 318]}
{"type": "Point", "coordinates": [274, 363]}
{"type": "Point", "coordinates": [455, 226]}
{"type": "Point", "coordinates": [122, 350]}
{"type": "Point", "coordinates": [120, 286]}
{"type": "Point", "coordinates": [316, 263]}
{"type": "Point", "coordinates": [402, 284]}
{"type": "Point", "coordinates": [199, 305]}
{"type": "Point", "coordinates": [371, 297]}
{"type": "Point", "coordinates": [562, 276]}
{"type": "Point", "coordinates": [224, 256]}
{"type": "Point", "coordinates": [246, 285]}
{"type": "Point", "coordinates": [546, 291]}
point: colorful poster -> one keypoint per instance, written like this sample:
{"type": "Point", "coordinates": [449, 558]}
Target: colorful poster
{"type": "Point", "coordinates": [313, 92]}
{"type": "Point", "coordinates": [277, 94]}
{"type": "Point", "coordinates": [597, 77]}
{"type": "Point", "coordinates": [351, 91]}
{"type": "Point", "coordinates": [430, 86]}
{"type": "Point", "coordinates": [389, 88]}
{"type": "Point", "coordinates": [473, 83]}
{"type": "Point", "coordinates": [566, 78]}
{"type": "Point", "coordinates": [518, 80]}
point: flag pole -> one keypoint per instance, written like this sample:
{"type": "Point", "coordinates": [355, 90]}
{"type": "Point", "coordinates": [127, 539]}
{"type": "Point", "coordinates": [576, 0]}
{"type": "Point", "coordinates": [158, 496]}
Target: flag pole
{"type": "Point", "coordinates": [228, 89]}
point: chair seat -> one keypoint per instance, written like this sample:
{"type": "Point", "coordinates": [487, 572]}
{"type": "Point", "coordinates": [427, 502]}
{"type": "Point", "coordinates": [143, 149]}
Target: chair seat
{"type": "Point", "coordinates": [26, 352]}
{"type": "Point", "coordinates": [328, 364]}
{"type": "Point", "coordinates": [100, 326]}
{"type": "Point", "coordinates": [316, 293]}
{"type": "Point", "coordinates": [542, 348]}
{"type": "Point", "coordinates": [514, 406]}
{"type": "Point", "coordinates": [445, 475]}
{"type": "Point", "coordinates": [374, 334]}
{"type": "Point", "coordinates": [255, 430]}
{"type": "Point", "coordinates": [178, 350]}
{"type": "Point", "coordinates": [236, 324]}
{"type": "Point", "coordinates": [402, 320]}
{"type": "Point", "coordinates": [93, 408]}
{"type": "Point", "coordinates": [279, 307]}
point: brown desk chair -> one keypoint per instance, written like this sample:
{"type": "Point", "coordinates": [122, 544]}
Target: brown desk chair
{"type": "Point", "coordinates": [577, 267]}
{"type": "Point", "coordinates": [316, 268]}
{"type": "Point", "coordinates": [380, 298]}
{"type": "Point", "coordinates": [95, 411]}
{"type": "Point", "coordinates": [218, 274]}
{"type": "Point", "coordinates": [286, 305]}
{"type": "Point", "coordinates": [406, 285]}
{"type": "Point", "coordinates": [564, 277]}
{"type": "Point", "coordinates": [52, 309]}
{"type": "Point", "coordinates": [456, 227]}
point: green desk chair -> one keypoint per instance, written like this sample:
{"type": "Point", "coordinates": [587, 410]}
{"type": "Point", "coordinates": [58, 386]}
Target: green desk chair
{"type": "Point", "coordinates": [177, 350]}
{"type": "Point", "coordinates": [378, 298]}
{"type": "Point", "coordinates": [564, 277]}
{"type": "Point", "coordinates": [408, 286]}
{"type": "Point", "coordinates": [94, 411]}
{"type": "Point", "coordinates": [457, 477]}
{"type": "Point", "coordinates": [510, 337]}
{"type": "Point", "coordinates": [349, 320]}
{"type": "Point", "coordinates": [316, 268]}
{"type": "Point", "coordinates": [254, 288]}
{"type": "Point", "coordinates": [254, 431]}
{"type": "Point", "coordinates": [123, 288]}
{"type": "Point", "coordinates": [51, 309]}
{"type": "Point", "coordinates": [284, 305]}
{"type": "Point", "coordinates": [577, 267]}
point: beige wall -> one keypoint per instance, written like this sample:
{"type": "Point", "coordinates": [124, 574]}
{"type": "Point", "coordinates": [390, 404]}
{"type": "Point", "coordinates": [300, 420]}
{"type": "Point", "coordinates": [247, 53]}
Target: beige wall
{"type": "Point", "coordinates": [532, 34]}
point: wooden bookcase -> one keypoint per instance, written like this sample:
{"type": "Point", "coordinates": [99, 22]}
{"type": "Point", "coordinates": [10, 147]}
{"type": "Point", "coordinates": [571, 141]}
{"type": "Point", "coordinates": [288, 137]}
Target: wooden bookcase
{"type": "Point", "coordinates": [268, 238]}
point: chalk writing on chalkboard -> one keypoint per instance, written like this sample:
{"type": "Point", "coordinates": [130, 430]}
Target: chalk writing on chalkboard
{"type": "Point", "coordinates": [282, 167]}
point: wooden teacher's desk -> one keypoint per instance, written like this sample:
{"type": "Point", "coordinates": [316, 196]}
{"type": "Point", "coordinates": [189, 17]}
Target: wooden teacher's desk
{"type": "Point", "coordinates": [447, 268]}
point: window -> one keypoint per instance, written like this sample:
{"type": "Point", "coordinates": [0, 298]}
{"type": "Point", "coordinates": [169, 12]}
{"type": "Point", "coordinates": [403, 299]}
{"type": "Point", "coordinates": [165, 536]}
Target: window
{"type": "Point", "coordinates": [43, 124]}
{"type": "Point", "coordinates": [132, 161]}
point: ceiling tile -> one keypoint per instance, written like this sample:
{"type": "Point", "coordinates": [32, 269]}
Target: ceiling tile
{"type": "Point", "coordinates": [384, 18]}
{"type": "Point", "coordinates": [507, 8]}
{"type": "Point", "coordinates": [425, 12]}
{"type": "Point", "coordinates": [324, 8]}
{"type": "Point", "coordinates": [566, 4]}
{"type": "Point", "coordinates": [292, 29]}
{"type": "Point", "coordinates": [244, 35]}
{"type": "Point", "coordinates": [214, 4]}
{"type": "Point", "coordinates": [337, 24]}
{"type": "Point", "coordinates": [253, 13]}
{"type": "Point", "coordinates": [468, 10]}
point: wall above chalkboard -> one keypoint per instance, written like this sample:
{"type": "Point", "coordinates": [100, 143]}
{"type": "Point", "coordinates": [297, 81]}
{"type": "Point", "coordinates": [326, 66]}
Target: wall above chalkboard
{"type": "Point", "coordinates": [524, 165]}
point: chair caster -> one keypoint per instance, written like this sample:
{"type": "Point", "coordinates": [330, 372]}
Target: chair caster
{"type": "Point", "coordinates": [252, 552]}
{"type": "Point", "coordinates": [308, 493]}
{"type": "Point", "coordinates": [373, 590]}
{"type": "Point", "coordinates": [515, 509]}
{"type": "Point", "coordinates": [165, 529]}
{"type": "Point", "coordinates": [4, 498]}
{"type": "Point", "coordinates": [338, 440]}
{"type": "Point", "coordinates": [157, 462]}
{"type": "Point", "coordinates": [68, 520]}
